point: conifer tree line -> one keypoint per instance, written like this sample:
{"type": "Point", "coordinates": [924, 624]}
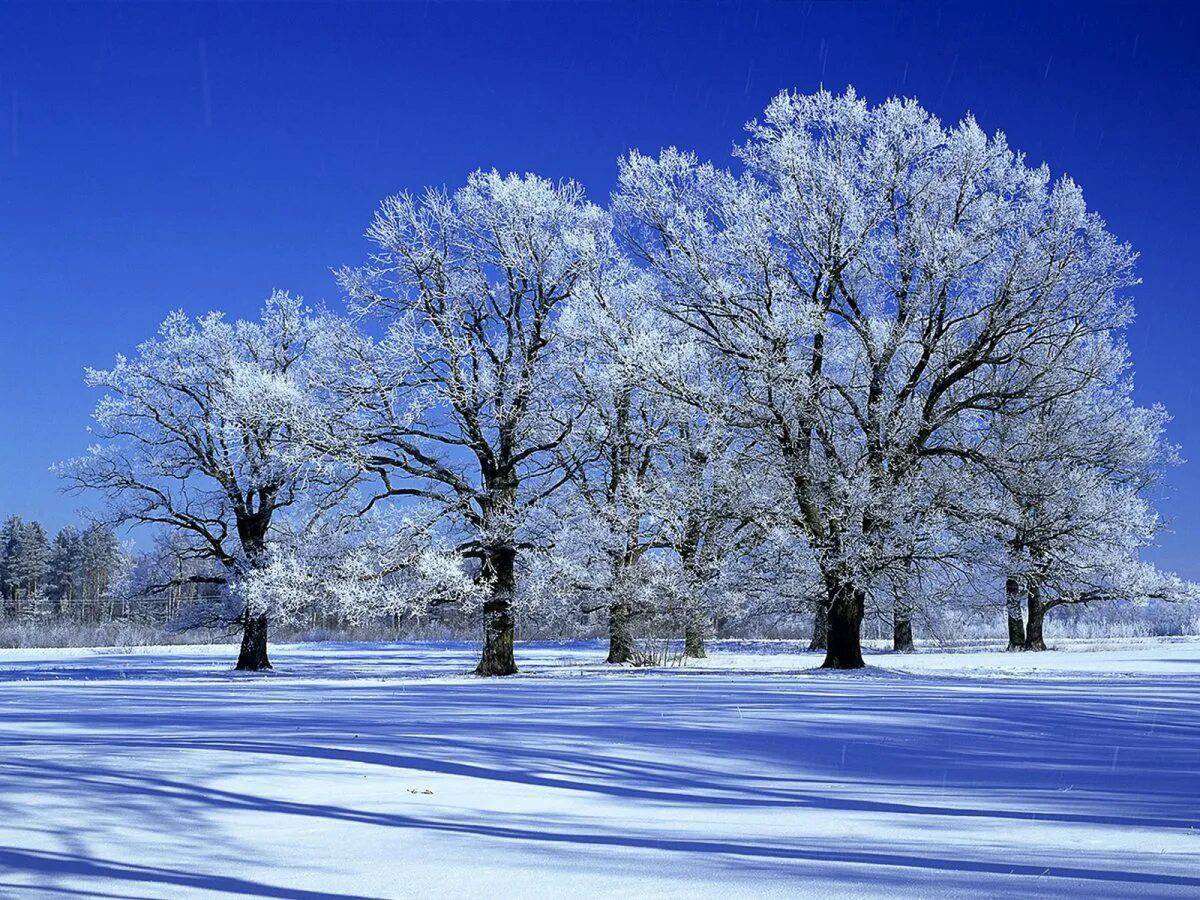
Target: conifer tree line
{"type": "Point", "coordinates": [875, 366]}
{"type": "Point", "coordinates": [78, 575]}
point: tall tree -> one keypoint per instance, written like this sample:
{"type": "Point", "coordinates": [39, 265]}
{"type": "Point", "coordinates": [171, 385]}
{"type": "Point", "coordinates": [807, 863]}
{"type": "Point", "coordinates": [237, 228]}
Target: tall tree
{"type": "Point", "coordinates": [457, 403]}
{"type": "Point", "coordinates": [883, 286]}
{"type": "Point", "coordinates": [64, 586]}
{"type": "Point", "coordinates": [100, 564]}
{"type": "Point", "coordinates": [10, 549]}
{"type": "Point", "coordinates": [24, 558]}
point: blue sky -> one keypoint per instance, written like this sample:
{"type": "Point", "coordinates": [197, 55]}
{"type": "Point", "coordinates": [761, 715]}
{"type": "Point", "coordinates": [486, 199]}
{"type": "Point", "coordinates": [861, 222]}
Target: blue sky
{"type": "Point", "coordinates": [196, 156]}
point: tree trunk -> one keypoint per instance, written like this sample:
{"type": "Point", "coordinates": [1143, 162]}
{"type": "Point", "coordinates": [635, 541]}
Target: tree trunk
{"type": "Point", "coordinates": [694, 618]}
{"type": "Point", "coordinates": [252, 532]}
{"type": "Point", "coordinates": [253, 655]}
{"type": "Point", "coordinates": [1016, 625]}
{"type": "Point", "coordinates": [1037, 614]}
{"type": "Point", "coordinates": [820, 632]}
{"type": "Point", "coordinates": [620, 637]}
{"type": "Point", "coordinates": [693, 637]}
{"type": "Point", "coordinates": [845, 615]}
{"type": "Point", "coordinates": [498, 623]}
{"type": "Point", "coordinates": [902, 637]}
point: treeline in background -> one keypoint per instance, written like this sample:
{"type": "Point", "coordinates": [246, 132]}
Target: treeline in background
{"type": "Point", "coordinates": [80, 575]}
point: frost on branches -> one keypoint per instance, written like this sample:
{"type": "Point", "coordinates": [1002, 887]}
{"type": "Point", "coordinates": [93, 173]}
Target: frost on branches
{"type": "Point", "coordinates": [876, 367]}
{"type": "Point", "coordinates": [663, 496]}
{"type": "Point", "coordinates": [381, 566]}
{"type": "Point", "coordinates": [470, 286]}
{"type": "Point", "coordinates": [206, 431]}
{"type": "Point", "coordinates": [1069, 481]}
{"type": "Point", "coordinates": [886, 289]}
{"type": "Point", "coordinates": [608, 522]}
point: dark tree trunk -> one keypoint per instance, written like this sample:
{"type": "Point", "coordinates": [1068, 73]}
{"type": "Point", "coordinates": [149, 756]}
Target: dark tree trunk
{"type": "Point", "coordinates": [253, 655]}
{"type": "Point", "coordinates": [695, 619]}
{"type": "Point", "coordinates": [902, 637]}
{"type": "Point", "coordinates": [1037, 614]}
{"type": "Point", "coordinates": [693, 638]}
{"type": "Point", "coordinates": [1016, 624]}
{"type": "Point", "coordinates": [252, 531]}
{"type": "Point", "coordinates": [846, 605]}
{"type": "Point", "coordinates": [620, 636]}
{"type": "Point", "coordinates": [498, 623]}
{"type": "Point", "coordinates": [820, 632]}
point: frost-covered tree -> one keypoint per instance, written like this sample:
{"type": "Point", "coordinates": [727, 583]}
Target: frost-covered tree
{"type": "Point", "coordinates": [928, 557]}
{"type": "Point", "coordinates": [662, 493]}
{"type": "Point", "coordinates": [1070, 497]}
{"type": "Point", "coordinates": [457, 404]}
{"type": "Point", "coordinates": [720, 497]}
{"type": "Point", "coordinates": [612, 342]}
{"type": "Point", "coordinates": [883, 287]}
{"type": "Point", "coordinates": [206, 431]}
{"type": "Point", "coordinates": [716, 509]}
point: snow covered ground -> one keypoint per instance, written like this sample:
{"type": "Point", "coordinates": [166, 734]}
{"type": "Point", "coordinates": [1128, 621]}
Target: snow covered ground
{"type": "Point", "coordinates": [386, 771]}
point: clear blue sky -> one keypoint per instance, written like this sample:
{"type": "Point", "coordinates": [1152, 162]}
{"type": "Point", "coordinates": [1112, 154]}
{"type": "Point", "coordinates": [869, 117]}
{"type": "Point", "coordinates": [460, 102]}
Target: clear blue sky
{"type": "Point", "coordinates": [169, 155]}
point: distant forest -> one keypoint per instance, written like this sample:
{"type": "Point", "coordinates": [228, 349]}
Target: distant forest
{"type": "Point", "coordinates": [81, 574]}
{"type": "Point", "coordinates": [86, 575]}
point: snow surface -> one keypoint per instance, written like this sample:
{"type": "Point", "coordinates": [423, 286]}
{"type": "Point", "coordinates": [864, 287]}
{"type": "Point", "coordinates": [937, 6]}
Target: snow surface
{"type": "Point", "coordinates": [387, 771]}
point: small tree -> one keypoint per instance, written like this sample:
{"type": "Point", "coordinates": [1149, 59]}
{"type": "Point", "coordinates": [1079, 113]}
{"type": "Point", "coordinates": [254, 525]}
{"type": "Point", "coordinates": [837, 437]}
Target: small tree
{"type": "Point", "coordinates": [613, 339]}
{"type": "Point", "coordinates": [717, 499]}
{"type": "Point", "coordinates": [1071, 509]}
{"type": "Point", "coordinates": [206, 431]}
{"type": "Point", "coordinates": [716, 514]}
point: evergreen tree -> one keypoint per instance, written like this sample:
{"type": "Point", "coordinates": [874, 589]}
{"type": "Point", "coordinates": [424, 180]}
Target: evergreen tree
{"type": "Point", "coordinates": [10, 542]}
{"type": "Point", "coordinates": [99, 566]}
{"type": "Point", "coordinates": [62, 578]}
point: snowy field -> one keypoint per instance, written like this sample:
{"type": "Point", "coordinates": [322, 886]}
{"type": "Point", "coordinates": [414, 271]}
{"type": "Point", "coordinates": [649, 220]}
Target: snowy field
{"type": "Point", "coordinates": [386, 771]}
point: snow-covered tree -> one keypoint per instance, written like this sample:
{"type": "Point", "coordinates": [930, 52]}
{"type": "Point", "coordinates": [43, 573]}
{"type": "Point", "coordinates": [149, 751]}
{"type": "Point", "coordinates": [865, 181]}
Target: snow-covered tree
{"type": "Point", "coordinates": [457, 404]}
{"type": "Point", "coordinates": [882, 287]}
{"type": "Point", "coordinates": [716, 509]}
{"type": "Point", "coordinates": [612, 341]}
{"type": "Point", "coordinates": [207, 431]}
{"type": "Point", "coordinates": [719, 497]}
{"type": "Point", "coordinates": [662, 493]}
{"type": "Point", "coordinates": [1070, 497]}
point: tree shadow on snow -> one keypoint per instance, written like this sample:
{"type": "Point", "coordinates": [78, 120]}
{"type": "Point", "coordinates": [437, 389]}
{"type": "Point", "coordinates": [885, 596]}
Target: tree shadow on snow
{"type": "Point", "coordinates": [934, 751]}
